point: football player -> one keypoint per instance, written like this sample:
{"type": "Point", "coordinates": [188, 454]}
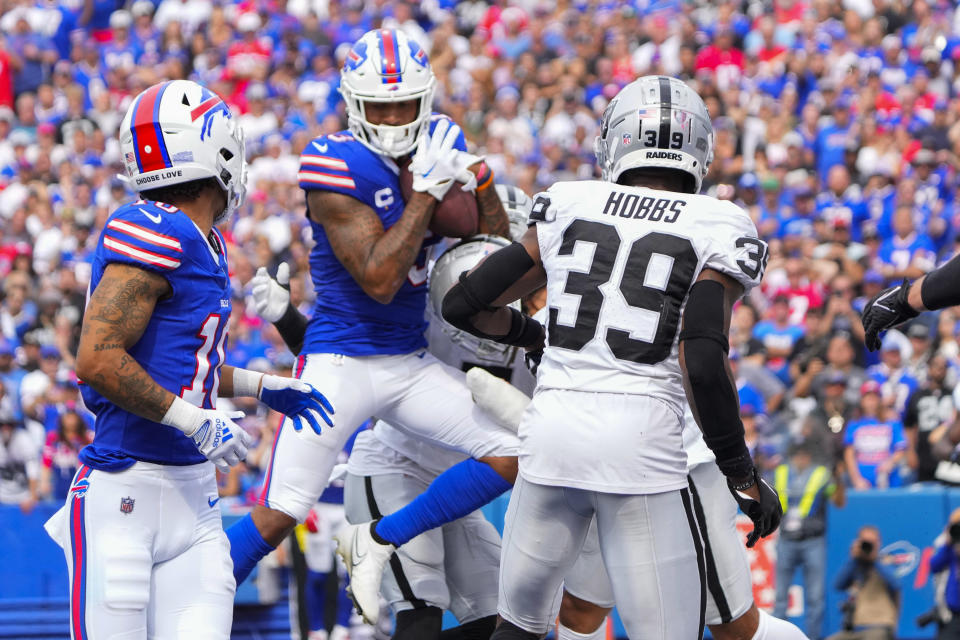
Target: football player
{"type": "Point", "coordinates": [145, 549]}
{"type": "Point", "coordinates": [624, 260]}
{"type": "Point", "coordinates": [455, 566]}
{"type": "Point", "coordinates": [364, 343]}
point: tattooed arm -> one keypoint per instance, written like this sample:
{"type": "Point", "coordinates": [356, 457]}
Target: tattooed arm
{"type": "Point", "coordinates": [116, 316]}
{"type": "Point", "coordinates": [378, 259]}
{"type": "Point", "coordinates": [493, 217]}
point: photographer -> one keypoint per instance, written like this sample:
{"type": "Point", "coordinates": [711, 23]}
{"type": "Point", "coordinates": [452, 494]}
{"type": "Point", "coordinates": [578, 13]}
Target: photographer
{"type": "Point", "coordinates": [873, 606]}
{"type": "Point", "coordinates": [946, 559]}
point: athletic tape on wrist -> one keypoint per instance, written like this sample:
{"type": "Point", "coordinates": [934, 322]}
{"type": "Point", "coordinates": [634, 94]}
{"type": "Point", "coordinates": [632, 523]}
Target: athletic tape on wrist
{"type": "Point", "coordinates": [183, 416]}
{"type": "Point", "coordinates": [246, 383]}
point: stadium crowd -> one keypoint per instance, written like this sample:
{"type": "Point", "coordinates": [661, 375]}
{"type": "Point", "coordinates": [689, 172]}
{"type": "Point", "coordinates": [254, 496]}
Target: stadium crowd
{"type": "Point", "coordinates": [837, 127]}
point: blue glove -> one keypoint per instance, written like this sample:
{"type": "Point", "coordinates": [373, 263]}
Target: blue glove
{"type": "Point", "coordinates": [297, 400]}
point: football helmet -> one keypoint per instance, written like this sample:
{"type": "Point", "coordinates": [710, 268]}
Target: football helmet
{"type": "Point", "coordinates": [517, 204]}
{"type": "Point", "coordinates": [461, 257]}
{"type": "Point", "coordinates": [179, 131]}
{"type": "Point", "coordinates": [655, 121]}
{"type": "Point", "coordinates": [385, 65]}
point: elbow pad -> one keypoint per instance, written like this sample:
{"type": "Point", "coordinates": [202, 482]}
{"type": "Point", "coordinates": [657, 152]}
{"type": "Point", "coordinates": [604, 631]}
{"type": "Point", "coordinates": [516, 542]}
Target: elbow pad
{"type": "Point", "coordinates": [705, 346]}
{"type": "Point", "coordinates": [939, 289]}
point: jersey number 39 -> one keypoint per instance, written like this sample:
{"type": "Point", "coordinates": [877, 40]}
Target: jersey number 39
{"type": "Point", "coordinates": [657, 248]}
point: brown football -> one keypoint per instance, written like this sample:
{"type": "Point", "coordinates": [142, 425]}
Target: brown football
{"type": "Point", "coordinates": [456, 216]}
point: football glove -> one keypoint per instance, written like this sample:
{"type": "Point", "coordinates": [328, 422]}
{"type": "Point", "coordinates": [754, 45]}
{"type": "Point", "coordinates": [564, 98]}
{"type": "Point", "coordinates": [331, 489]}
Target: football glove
{"type": "Point", "coordinates": [765, 514]}
{"type": "Point", "coordinates": [498, 398]}
{"type": "Point", "coordinates": [434, 165]}
{"type": "Point", "coordinates": [297, 400]}
{"type": "Point", "coordinates": [217, 436]}
{"type": "Point", "coordinates": [271, 297]}
{"type": "Point", "coordinates": [886, 309]}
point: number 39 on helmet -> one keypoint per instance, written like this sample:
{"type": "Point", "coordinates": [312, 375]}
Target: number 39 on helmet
{"type": "Point", "coordinates": [180, 131]}
{"type": "Point", "coordinates": [385, 65]}
{"type": "Point", "coordinates": [656, 122]}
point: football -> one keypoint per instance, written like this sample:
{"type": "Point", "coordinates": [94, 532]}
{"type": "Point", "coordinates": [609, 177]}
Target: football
{"type": "Point", "coordinates": [456, 216]}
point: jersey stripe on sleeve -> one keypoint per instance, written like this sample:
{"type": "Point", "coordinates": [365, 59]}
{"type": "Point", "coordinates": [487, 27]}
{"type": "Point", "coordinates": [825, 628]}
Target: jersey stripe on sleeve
{"type": "Point", "coordinates": [140, 254]}
{"type": "Point", "coordinates": [311, 161]}
{"type": "Point", "coordinates": [146, 235]}
{"type": "Point", "coordinates": [309, 177]}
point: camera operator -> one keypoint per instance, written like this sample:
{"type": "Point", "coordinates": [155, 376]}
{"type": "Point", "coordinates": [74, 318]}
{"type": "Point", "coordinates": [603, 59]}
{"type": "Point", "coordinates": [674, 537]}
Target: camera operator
{"type": "Point", "coordinates": [872, 609]}
{"type": "Point", "coordinates": [946, 558]}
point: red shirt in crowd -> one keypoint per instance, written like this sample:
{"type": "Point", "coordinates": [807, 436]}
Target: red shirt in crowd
{"type": "Point", "coordinates": [712, 57]}
{"type": "Point", "coordinates": [6, 80]}
{"type": "Point", "coordinates": [802, 299]}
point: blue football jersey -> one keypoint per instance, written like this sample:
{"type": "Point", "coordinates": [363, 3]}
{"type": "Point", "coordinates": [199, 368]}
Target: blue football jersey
{"type": "Point", "coordinates": [182, 346]}
{"type": "Point", "coordinates": [345, 319]}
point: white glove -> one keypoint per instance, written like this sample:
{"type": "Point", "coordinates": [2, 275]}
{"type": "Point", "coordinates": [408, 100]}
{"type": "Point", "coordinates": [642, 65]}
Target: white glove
{"type": "Point", "coordinates": [271, 297]}
{"type": "Point", "coordinates": [223, 442]}
{"type": "Point", "coordinates": [433, 165]}
{"type": "Point", "coordinates": [461, 163]}
{"type": "Point", "coordinates": [498, 398]}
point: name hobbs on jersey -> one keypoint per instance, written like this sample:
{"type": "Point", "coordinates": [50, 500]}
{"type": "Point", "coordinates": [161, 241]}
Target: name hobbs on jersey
{"type": "Point", "coordinates": [632, 205]}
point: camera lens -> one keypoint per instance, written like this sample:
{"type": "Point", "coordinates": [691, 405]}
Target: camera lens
{"type": "Point", "coordinates": [866, 546]}
{"type": "Point", "coordinates": [955, 532]}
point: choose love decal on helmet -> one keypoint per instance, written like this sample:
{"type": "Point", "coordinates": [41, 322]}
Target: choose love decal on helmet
{"type": "Point", "coordinates": [180, 131]}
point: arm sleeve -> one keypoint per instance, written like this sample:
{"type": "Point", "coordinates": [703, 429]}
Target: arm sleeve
{"type": "Point", "coordinates": [142, 235]}
{"type": "Point", "coordinates": [940, 288]}
{"type": "Point", "coordinates": [941, 558]}
{"type": "Point", "coordinates": [845, 578]}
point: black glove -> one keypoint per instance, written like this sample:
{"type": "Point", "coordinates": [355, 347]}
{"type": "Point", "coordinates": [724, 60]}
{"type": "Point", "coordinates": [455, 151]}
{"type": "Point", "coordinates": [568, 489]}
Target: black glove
{"type": "Point", "coordinates": [765, 514]}
{"type": "Point", "coordinates": [532, 359]}
{"type": "Point", "coordinates": [886, 309]}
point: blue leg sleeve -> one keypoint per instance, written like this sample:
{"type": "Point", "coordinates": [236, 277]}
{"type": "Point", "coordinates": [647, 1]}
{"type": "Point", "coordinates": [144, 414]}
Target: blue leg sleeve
{"type": "Point", "coordinates": [247, 547]}
{"type": "Point", "coordinates": [461, 489]}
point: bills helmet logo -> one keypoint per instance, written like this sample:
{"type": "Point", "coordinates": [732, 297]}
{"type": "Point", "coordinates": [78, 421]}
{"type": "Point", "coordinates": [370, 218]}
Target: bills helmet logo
{"type": "Point", "coordinates": [210, 105]}
{"type": "Point", "coordinates": [356, 57]}
{"type": "Point", "coordinates": [418, 54]}
{"type": "Point", "coordinates": [126, 505]}
{"type": "Point", "coordinates": [79, 490]}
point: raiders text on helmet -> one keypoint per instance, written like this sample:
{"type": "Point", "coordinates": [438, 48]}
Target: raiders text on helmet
{"type": "Point", "coordinates": [179, 131]}
{"type": "Point", "coordinates": [385, 65]}
{"type": "Point", "coordinates": [655, 121]}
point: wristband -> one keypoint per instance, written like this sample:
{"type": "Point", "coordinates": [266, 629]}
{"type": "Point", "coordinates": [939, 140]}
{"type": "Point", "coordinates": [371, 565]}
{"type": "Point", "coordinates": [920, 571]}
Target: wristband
{"type": "Point", "coordinates": [183, 416]}
{"type": "Point", "coordinates": [246, 383]}
{"type": "Point", "coordinates": [744, 485]}
{"type": "Point", "coordinates": [524, 331]}
{"type": "Point", "coordinates": [484, 176]}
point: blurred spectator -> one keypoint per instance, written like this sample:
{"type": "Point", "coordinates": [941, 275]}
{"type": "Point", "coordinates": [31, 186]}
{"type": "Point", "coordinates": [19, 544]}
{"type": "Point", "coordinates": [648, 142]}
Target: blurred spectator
{"type": "Point", "coordinates": [19, 464]}
{"type": "Point", "coordinates": [804, 489]}
{"type": "Point", "coordinates": [778, 336]}
{"type": "Point", "coordinates": [60, 451]}
{"type": "Point", "coordinates": [874, 446]}
{"type": "Point", "coordinates": [945, 568]}
{"type": "Point", "coordinates": [928, 407]}
{"type": "Point", "coordinates": [872, 608]}
{"type": "Point", "coordinates": [891, 372]}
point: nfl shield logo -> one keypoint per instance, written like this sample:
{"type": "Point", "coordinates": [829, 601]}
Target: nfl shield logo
{"type": "Point", "coordinates": [126, 505]}
{"type": "Point", "coordinates": [627, 139]}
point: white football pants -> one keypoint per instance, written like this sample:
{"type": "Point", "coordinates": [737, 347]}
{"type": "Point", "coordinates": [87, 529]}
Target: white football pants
{"type": "Point", "coordinates": [146, 554]}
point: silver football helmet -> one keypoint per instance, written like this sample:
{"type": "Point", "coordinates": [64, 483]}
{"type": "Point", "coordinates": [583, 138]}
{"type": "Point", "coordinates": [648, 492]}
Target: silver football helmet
{"type": "Point", "coordinates": [517, 204]}
{"type": "Point", "coordinates": [461, 257]}
{"type": "Point", "coordinates": [655, 121]}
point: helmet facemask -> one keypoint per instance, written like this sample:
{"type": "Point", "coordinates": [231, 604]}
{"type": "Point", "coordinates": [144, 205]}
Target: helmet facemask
{"type": "Point", "coordinates": [391, 140]}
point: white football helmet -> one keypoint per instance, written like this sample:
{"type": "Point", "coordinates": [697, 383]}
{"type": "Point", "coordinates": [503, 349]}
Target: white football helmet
{"type": "Point", "coordinates": [179, 131]}
{"type": "Point", "coordinates": [461, 257]}
{"type": "Point", "coordinates": [517, 204]}
{"type": "Point", "coordinates": [386, 65]}
{"type": "Point", "coordinates": [655, 121]}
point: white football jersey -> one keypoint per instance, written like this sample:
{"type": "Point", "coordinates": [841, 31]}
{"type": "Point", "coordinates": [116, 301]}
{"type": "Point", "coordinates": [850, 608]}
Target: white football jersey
{"type": "Point", "coordinates": [693, 443]}
{"type": "Point", "coordinates": [620, 262]}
